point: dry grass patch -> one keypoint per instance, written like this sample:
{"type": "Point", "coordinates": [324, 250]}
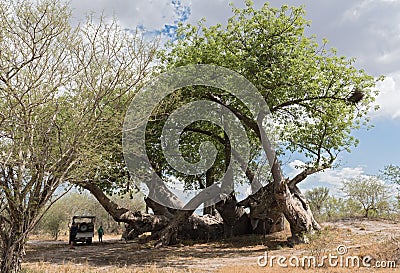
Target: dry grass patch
{"type": "Point", "coordinates": [257, 269]}
{"type": "Point", "coordinates": [237, 254]}
{"type": "Point", "coordinates": [85, 268]}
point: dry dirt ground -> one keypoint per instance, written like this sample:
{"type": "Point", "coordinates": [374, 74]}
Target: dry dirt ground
{"type": "Point", "coordinates": [360, 235]}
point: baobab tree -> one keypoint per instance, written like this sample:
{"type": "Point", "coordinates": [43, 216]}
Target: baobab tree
{"type": "Point", "coordinates": [315, 99]}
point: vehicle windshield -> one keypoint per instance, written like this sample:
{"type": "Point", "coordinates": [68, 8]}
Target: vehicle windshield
{"type": "Point", "coordinates": [83, 220]}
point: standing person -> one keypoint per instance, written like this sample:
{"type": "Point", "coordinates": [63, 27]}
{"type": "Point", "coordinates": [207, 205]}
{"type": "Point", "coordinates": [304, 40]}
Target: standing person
{"type": "Point", "coordinates": [100, 232]}
{"type": "Point", "coordinates": [72, 234]}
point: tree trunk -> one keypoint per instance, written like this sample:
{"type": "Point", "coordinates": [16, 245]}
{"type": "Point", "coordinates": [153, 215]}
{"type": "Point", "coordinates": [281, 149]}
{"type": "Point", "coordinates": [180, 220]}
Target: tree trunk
{"type": "Point", "coordinates": [12, 253]}
{"type": "Point", "coordinates": [158, 209]}
{"type": "Point", "coordinates": [236, 221]}
{"type": "Point", "coordinates": [297, 211]}
{"type": "Point", "coordinates": [267, 206]}
{"type": "Point", "coordinates": [289, 198]}
{"type": "Point", "coordinates": [169, 234]}
{"type": "Point", "coordinates": [164, 226]}
{"type": "Point", "coordinates": [265, 215]}
{"type": "Point", "coordinates": [141, 222]}
{"type": "Point", "coordinates": [205, 228]}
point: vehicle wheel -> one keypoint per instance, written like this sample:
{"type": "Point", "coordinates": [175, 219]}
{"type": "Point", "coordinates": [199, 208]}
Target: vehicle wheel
{"type": "Point", "coordinates": [83, 227]}
{"type": "Point", "coordinates": [89, 241]}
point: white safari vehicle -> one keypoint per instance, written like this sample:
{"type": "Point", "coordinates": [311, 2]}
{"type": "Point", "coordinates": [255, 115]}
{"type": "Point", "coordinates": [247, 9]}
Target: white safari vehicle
{"type": "Point", "coordinates": [85, 228]}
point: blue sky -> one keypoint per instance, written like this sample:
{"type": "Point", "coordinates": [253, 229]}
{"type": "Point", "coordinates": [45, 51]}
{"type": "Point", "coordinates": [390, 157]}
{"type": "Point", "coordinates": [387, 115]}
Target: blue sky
{"type": "Point", "coordinates": [368, 30]}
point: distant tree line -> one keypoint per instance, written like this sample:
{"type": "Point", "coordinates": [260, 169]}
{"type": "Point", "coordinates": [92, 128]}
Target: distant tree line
{"type": "Point", "coordinates": [363, 196]}
{"type": "Point", "coordinates": [57, 219]}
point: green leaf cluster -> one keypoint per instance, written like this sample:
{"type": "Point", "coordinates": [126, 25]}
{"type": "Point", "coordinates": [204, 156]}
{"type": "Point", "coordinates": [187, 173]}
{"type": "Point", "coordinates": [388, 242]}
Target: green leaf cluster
{"type": "Point", "coordinates": [306, 85]}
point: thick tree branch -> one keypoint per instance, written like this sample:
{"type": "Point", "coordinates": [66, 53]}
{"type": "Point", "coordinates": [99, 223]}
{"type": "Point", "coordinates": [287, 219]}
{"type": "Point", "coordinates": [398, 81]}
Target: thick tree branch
{"type": "Point", "coordinates": [140, 221]}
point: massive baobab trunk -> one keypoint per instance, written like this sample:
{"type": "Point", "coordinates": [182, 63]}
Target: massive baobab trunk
{"type": "Point", "coordinates": [236, 220]}
{"type": "Point", "coordinates": [280, 198]}
{"type": "Point", "coordinates": [167, 226]}
{"type": "Point", "coordinates": [297, 211]}
{"type": "Point", "coordinates": [283, 194]}
{"type": "Point", "coordinates": [289, 199]}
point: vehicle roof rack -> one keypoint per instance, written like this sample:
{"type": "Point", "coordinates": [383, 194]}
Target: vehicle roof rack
{"type": "Point", "coordinates": [80, 217]}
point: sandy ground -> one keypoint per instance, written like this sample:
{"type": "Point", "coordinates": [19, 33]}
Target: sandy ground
{"type": "Point", "coordinates": [205, 256]}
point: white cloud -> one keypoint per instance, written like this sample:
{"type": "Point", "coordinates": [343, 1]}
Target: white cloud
{"type": "Point", "coordinates": [356, 11]}
{"type": "Point", "coordinates": [389, 97]}
{"type": "Point", "coordinates": [295, 167]}
{"type": "Point", "coordinates": [334, 177]}
{"type": "Point", "coordinates": [370, 31]}
{"type": "Point", "coordinates": [330, 178]}
{"type": "Point", "coordinates": [153, 14]}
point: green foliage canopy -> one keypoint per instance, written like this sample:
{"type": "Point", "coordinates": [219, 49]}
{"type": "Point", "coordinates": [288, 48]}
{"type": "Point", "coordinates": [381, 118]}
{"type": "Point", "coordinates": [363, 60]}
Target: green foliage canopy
{"type": "Point", "coordinates": [369, 192]}
{"type": "Point", "coordinates": [392, 173]}
{"type": "Point", "coordinates": [307, 87]}
{"type": "Point", "coordinates": [317, 198]}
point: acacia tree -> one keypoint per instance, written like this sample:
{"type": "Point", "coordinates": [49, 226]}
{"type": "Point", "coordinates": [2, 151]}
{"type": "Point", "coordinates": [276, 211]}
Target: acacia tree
{"type": "Point", "coordinates": [315, 97]}
{"type": "Point", "coordinates": [392, 173]}
{"type": "Point", "coordinates": [317, 198]}
{"type": "Point", "coordinates": [368, 192]}
{"type": "Point", "coordinates": [61, 89]}
{"type": "Point", "coordinates": [54, 220]}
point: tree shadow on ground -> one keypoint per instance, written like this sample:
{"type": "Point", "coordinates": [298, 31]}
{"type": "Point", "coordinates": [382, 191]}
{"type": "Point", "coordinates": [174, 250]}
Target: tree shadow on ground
{"type": "Point", "coordinates": [121, 253]}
